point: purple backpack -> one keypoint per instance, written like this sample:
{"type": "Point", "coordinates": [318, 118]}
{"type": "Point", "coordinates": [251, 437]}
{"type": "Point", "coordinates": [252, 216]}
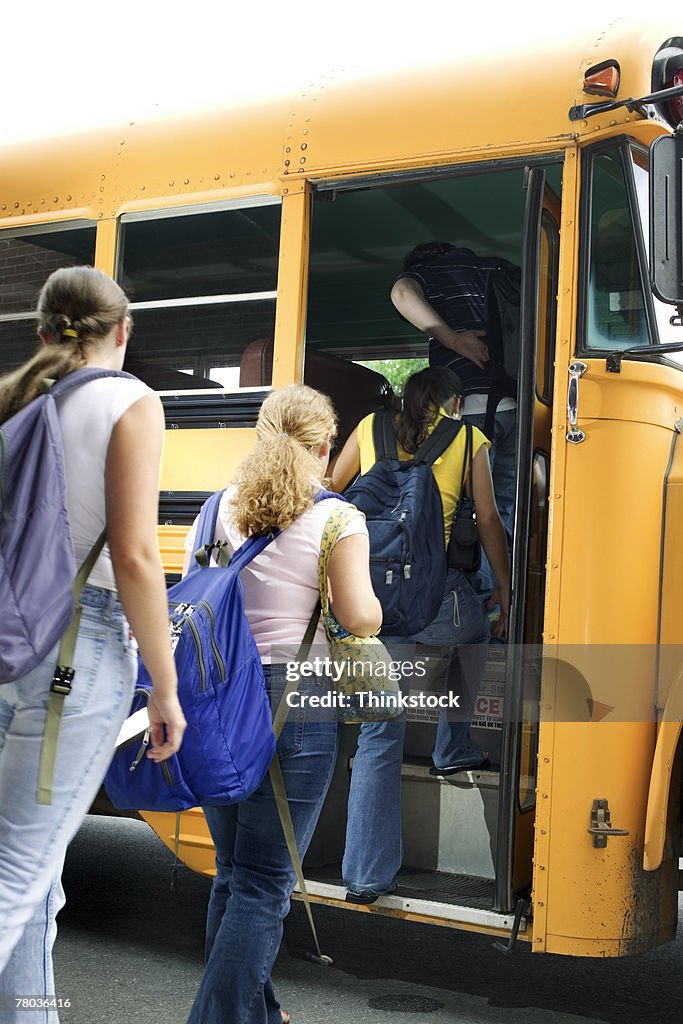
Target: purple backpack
{"type": "Point", "coordinates": [37, 566]}
{"type": "Point", "coordinates": [39, 583]}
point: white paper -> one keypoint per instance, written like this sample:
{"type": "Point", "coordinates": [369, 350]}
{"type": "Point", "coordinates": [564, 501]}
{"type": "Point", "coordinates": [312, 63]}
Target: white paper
{"type": "Point", "coordinates": [133, 726]}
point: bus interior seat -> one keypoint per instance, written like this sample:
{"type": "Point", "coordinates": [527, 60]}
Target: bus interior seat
{"type": "Point", "coordinates": [355, 390]}
{"type": "Point", "coordinates": [165, 378]}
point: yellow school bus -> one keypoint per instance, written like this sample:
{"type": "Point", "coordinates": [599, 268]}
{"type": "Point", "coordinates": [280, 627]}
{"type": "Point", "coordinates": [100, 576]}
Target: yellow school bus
{"type": "Point", "coordinates": [259, 245]}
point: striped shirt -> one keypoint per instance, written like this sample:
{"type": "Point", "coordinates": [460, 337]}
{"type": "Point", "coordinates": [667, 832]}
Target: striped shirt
{"type": "Point", "coordinates": [457, 292]}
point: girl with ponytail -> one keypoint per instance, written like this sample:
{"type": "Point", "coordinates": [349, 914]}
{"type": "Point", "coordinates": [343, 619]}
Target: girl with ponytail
{"type": "Point", "coordinates": [112, 432]}
{"type": "Point", "coordinates": [274, 489]}
{"type": "Point", "coordinates": [371, 861]}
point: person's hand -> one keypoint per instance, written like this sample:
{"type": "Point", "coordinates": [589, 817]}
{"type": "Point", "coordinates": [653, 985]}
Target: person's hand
{"type": "Point", "coordinates": [500, 627]}
{"type": "Point", "coordinates": [167, 723]}
{"type": "Point", "coordinates": [470, 345]}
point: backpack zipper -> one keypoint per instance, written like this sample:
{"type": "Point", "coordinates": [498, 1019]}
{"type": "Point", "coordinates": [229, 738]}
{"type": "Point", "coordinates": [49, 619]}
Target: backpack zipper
{"type": "Point", "coordinates": [165, 770]}
{"type": "Point", "coordinates": [177, 626]}
{"type": "Point", "coordinates": [200, 657]}
{"type": "Point", "coordinates": [214, 645]}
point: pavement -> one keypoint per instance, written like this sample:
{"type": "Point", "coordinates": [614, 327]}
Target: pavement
{"type": "Point", "coordinates": [129, 949]}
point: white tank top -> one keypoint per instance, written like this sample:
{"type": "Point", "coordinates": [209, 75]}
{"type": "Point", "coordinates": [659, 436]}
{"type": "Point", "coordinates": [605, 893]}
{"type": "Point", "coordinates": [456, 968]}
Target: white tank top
{"type": "Point", "coordinates": [87, 417]}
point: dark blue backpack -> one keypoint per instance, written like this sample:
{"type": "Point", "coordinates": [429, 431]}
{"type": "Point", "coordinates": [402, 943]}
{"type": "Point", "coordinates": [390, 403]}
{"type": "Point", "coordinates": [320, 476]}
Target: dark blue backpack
{"type": "Point", "coordinates": [229, 741]}
{"type": "Point", "coordinates": [37, 567]}
{"type": "Point", "coordinates": [404, 515]}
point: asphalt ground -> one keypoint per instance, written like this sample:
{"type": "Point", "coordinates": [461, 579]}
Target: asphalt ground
{"type": "Point", "coordinates": [130, 950]}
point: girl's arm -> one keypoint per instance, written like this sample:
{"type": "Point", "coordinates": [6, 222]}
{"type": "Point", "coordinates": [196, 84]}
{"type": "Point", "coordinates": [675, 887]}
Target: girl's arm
{"type": "Point", "coordinates": [492, 532]}
{"type": "Point", "coordinates": [353, 600]}
{"type": "Point", "coordinates": [132, 498]}
{"type": "Point", "coordinates": [347, 463]}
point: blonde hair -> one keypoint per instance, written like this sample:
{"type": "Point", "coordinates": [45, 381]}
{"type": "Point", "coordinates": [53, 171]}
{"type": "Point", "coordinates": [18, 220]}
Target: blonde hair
{"type": "Point", "coordinates": [277, 481]}
{"type": "Point", "coordinates": [77, 308]}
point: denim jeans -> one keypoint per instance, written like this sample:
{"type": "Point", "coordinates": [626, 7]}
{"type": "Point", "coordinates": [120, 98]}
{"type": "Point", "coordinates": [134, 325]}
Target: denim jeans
{"type": "Point", "coordinates": [254, 874]}
{"type": "Point", "coordinates": [34, 837]}
{"type": "Point", "coordinates": [374, 849]}
{"type": "Point", "coordinates": [502, 456]}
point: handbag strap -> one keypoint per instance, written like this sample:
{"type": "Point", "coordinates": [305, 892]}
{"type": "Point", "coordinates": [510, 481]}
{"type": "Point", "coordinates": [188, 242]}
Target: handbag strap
{"type": "Point", "coordinates": [335, 525]}
{"type": "Point", "coordinates": [467, 458]}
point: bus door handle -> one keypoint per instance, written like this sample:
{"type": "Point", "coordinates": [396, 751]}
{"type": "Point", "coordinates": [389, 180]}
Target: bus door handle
{"type": "Point", "coordinates": [601, 824]}
{"type": "Point", "coordinates": [576, 370]}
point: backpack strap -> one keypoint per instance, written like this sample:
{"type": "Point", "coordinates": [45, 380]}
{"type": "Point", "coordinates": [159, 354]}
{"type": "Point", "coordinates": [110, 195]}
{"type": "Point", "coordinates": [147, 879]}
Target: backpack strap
{"type": "Point", "coordinates": [84, 376]}
{"type": "Point", "coordinates": [249, 549]}
{"type": "Point", "coordinates": [62, 679]}
{"type": "Point", "coordinates": [206, 531]}
{"type": "Point", "coordinates": [60, 688]}
{"type": "Point", "coordinates": [384, 435]}
{"type": "Point", "coordinates": [433, 447]}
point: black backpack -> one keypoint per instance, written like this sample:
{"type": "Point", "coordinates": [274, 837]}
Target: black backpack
{"type": "Point", "coordinates": [503, 311]}
{"type": "Point", "coordinates": [404, 515]}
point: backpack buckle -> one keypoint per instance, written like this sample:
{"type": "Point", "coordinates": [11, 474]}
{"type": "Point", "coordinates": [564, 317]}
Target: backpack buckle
{"type": "Point", "coordinates": [62, 680]}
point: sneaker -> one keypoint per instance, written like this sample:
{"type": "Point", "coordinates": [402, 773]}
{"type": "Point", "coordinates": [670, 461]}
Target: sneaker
{"type": "Point", "coordinates": [369, 896]}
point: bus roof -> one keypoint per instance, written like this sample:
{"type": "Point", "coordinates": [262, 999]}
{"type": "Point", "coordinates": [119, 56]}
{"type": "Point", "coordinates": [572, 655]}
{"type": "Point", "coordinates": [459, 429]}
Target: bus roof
{"type": "Point", "coordinates": [490, 98]}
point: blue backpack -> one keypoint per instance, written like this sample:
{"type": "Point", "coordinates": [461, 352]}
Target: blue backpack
{"type": "Point", "coordinates": [229, 741]}
{"type": "Point", "coordinates": [404, 515]}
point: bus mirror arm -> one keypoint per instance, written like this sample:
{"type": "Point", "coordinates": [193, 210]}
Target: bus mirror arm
{"type": "Point", "coordinates": [614, 358]}
{"type": "Point", "coordinates": [584, 110]}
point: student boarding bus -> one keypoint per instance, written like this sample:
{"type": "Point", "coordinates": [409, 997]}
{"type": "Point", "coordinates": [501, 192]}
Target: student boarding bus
{"type": "Point", "coordinates": [259, 246]}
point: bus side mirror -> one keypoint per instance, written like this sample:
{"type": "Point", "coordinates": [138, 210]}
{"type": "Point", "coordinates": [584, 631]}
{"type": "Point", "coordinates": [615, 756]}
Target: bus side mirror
{"type": "Point", "coordinates": [666, 217]}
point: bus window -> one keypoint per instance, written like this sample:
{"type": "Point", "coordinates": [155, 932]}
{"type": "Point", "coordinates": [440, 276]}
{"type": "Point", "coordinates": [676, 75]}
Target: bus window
{"type": "Point", "coordinates": [26, 260]}
{"type": "Point", "coordinates": [361, 236]}
{"type": "Point", "coordinates": [615, 299]}
{"type": "Point", "coordinates": [663, 312]}
{"type": "Point", "coordinates": [202, 287]}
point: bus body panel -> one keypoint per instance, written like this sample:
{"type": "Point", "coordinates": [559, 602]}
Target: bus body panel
{"type": "Point", "coordinates": [605, 508]}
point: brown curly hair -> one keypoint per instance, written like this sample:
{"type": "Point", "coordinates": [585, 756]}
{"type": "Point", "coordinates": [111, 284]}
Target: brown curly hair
{"type": "Point", "coordinates": [278, 480]}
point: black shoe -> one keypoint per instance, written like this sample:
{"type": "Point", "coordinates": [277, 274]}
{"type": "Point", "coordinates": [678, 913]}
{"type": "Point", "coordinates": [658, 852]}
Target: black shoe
{"type": "Point", "coordinates": [368, 897]}
{"type": "Point", "coordinates": [362, 897]}
{"type": "Point", "coordinates": [454, 769]}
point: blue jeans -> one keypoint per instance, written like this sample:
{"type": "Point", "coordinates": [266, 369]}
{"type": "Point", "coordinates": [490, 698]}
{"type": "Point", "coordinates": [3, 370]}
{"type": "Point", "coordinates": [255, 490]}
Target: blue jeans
{"type": "Point", "coordinates": [34, 837]}
{"type": "Point", "coordinates": [374, 849]}
{"type": "Point", "coordinates": [254, 874]}
{"type": "Point", "coordinates": [502, 455]}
